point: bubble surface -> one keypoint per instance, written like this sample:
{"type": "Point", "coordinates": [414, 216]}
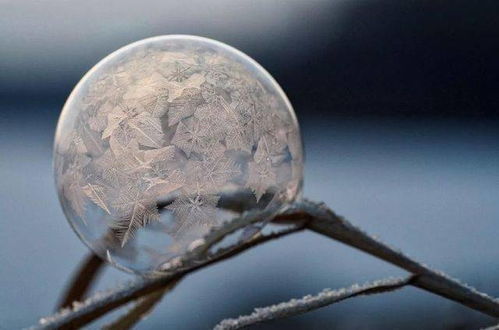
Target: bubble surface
{"type": "Point", "coordinates": [167, 138]}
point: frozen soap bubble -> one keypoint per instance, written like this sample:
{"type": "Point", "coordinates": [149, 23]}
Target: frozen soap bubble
{"type": "Point", "coordinates": [167, 138]}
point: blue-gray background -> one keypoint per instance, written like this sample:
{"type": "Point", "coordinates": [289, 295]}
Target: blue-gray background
{"type": "Point", "coordinates": [399, 111]}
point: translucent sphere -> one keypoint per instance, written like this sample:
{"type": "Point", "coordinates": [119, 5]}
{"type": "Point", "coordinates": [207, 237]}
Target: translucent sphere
{"type": "Point", "coordinates": [167, 138]}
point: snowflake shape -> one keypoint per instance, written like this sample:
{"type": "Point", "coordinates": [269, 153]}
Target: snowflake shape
{"type": "Point", "coordinates": [261, 177]}
{"type": "Point", "coordinates": [135, 209]}
{"type": "Point", "coordinates": [211, 173]}
{"type": "Point", "coordinates": [137, 126]}
{"type": "Point", "coordinates": [180, 73]}
{"type": "Point", "coordinates": [192, 135]}
{"type": "Point", "coordinates": [193, 211]}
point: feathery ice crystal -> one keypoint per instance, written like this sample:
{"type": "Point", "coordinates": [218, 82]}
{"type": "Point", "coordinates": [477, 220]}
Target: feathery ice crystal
{"type": "Point", "coordinates": [167, 138]}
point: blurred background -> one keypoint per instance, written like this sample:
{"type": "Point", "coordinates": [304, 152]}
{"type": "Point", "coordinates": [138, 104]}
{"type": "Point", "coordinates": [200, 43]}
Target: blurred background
{"type": "Point", "coordinates": [398, 105]}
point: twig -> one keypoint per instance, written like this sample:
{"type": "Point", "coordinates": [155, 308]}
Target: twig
{"type": "Point", "coordinates": [140, 310]}
{"type": "Point", "coordinates": [82, 280]}
{"type": "Point", "coordinates": [103, 302]}
{"type": "Point", "coordinates": [310, 303]}
{"type": "Point", "coordinates": [316, 217]}
{"type": "Point", "coordinates": [494, 327]}
{"type": "Point", "coordinates": [326, 222]}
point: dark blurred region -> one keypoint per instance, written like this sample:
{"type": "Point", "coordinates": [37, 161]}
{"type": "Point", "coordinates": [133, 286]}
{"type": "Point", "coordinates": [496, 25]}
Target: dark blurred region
{"type": "Point", "coordinates": [398, 107]}
{"type": "Point", "coordinates": [339, 56]}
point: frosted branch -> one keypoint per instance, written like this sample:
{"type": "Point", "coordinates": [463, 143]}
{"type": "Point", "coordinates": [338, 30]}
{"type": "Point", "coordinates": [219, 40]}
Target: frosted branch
{"type": "Point", "coordinates": [324, 221]}
{"type": "Point", "coordinates": [303, 214]}
{"type": "Point", "coordinates": [82, 313]}
{"type": "Point", "coordinates": [309, 303]}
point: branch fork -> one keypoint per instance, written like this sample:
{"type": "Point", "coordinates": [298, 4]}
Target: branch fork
{"type": "Point", "coordinates": [298, 216]}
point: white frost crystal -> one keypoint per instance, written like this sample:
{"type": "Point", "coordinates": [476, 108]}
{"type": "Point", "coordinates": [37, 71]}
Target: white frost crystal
{"type": "Point", "coordinates": [165, 139]}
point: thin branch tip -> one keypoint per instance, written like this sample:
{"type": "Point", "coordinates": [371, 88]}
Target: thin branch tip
{"type": "Point", "coordinates": [309, 303]}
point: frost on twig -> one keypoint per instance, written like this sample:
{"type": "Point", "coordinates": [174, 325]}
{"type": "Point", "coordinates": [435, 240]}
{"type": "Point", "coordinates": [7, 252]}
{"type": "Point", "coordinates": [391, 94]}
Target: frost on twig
{"type": "Point", "coordinates": [494, 327]}
{"type": "Point", "coordinates": [303, 214]}
{"type": "Point", "coordinates": [310, 303]}
{"type": "Point", "coordinates": [325, 222]}
{"type": "Point", "coordinates": [82, 313]}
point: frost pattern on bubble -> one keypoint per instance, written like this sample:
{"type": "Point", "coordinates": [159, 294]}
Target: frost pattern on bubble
{"type": "Point", "coordinates": [160, 133]}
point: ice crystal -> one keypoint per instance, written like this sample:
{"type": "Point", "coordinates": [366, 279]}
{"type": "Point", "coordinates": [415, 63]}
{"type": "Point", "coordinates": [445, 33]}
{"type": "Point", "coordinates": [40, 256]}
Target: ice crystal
{"type": "Point", "coordinates": [192, 135]}
{"type": "Point", "coordinates": [193, 211]}
{"type": "Point", "coordinates": [261, 177]}
{"type": "Point", "coordinates": [135, 209]}
{"type": "Point", "coordinates": [211, 173]}
{"type": "Point", "coordinates": [185, 105]}
{"type": "Point", "coordinates": [97, 194]}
